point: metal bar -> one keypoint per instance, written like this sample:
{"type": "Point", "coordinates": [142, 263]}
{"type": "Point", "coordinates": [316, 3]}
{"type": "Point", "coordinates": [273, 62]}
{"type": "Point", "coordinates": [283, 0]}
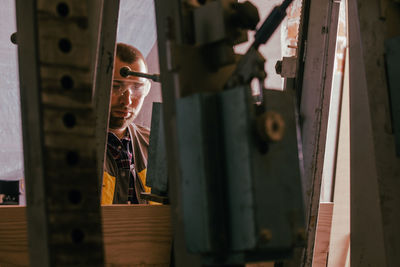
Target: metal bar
{"type": "Point", "coordinates": [374, 167]}
{"type": "Point", "coordinates": [103, 77]}
{"type": "Point", "coordinates": [317, 42]}
{"type": "Point", "coordinates": [329, 28]}
{"type": "Point", "coordinates": [169, 29]}
{"type": "Point", "coordinates": [63, 185]}
{"type": "Point", "coordinates": [32, 133]}
{"type": "Point", "coordinates": [126, 71]}
{"type": "Point", "coordinates": [317, 80]}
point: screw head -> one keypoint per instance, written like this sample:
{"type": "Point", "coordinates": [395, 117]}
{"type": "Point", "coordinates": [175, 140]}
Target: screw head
{"type": "Point", "coordinates": [265, 235]}
{"type": "Point", "coordinates": [301, 234]}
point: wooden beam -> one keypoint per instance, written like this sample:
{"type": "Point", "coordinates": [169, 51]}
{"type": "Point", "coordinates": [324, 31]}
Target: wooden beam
{"type": "Point", "coordinates": [136, 235]}
{"type": "Point", "coordinates": [367, 247]}
{"type": "Point", "coordinates": [340, 233]}
{"type": "Point", "coordinates": [322, 235]}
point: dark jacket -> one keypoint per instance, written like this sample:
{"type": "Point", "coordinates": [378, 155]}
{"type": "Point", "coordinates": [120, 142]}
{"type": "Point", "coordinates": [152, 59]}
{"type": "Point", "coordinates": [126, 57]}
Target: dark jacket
{"type": "Point", "coordinates": [116, 182]}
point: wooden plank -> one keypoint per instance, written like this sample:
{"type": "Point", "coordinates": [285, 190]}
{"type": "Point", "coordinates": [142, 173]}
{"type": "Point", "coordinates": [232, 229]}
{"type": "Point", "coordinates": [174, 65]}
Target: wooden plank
{"type": "Point", "coordinates": [340, 234]}
{"type": "Point", "coordinates": [135, 235]}
{"type": "Point", "coordinates": [322, 235]}
{"type": "Point", "coordinates": [367, 247]}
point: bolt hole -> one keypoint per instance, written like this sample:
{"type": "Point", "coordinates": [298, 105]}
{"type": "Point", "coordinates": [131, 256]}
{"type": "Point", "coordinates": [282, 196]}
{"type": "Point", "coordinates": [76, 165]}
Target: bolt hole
{"type": "Point", "coordinates": [62, 9]}
{"type": "Point", "coordinates": [72, 158]}
{"type": "Point", "coordinates": [13, 38]}
{"type": "Point", "coordinates": [275, 126]}
{"type": "Point", "coordinates": [69, 120]}
{"type": "Point", "coordinates": [65, 45]}
{"type": "Point", "coordinates": [67, 82]}
{"type": "Point", "coordinates": [75, 196]}
{"type": "Point", "coordinates": [77, 236]}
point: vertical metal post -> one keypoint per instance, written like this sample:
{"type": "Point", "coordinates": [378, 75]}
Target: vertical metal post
{"type": "Point", "coordinates": [103, 78]}
{"type": "Point", "coordinates": [317, 42]}
{"type": "Point", "coordinates": [32, 133]}
{"type": "Point", "coordinates": [374, 167]}
{"type": "Point", "coordinates": [169, 31]}
{"type": "Point", "coordinates": [63, 205]}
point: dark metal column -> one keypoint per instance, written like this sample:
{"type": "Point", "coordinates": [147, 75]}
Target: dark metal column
{"type": "Point", "coordinates": [103, 77]}
{"type": "Point", "coordinates": [375, 169]}
{"type": "Point", "coordinates": [170, 32]}
{"type": "Point", "coordinates": [316, 54]}
{"type": "Point", "coordinates": [64, 216]}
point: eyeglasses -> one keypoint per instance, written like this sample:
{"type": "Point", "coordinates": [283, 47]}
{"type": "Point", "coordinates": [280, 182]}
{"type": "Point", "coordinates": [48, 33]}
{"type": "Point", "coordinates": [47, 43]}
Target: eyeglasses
{"type": "Point", "coordinates": [119, 87]}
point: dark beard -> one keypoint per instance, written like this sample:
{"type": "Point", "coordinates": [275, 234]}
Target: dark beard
{"type": "Point", "coordinates": [118, 123]}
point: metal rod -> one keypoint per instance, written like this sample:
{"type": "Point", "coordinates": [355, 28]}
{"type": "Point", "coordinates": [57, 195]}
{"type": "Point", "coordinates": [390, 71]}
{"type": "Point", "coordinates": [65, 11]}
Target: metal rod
{"type": "Point", "coordinates": [126, 71]}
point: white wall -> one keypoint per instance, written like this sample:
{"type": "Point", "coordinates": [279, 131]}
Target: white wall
{"type": "Point", "coordinates": [11, 154]}
{"type": "Point", "coordinates": [272, 49]}
{"type": "Point", "coordinates": [137, 24]}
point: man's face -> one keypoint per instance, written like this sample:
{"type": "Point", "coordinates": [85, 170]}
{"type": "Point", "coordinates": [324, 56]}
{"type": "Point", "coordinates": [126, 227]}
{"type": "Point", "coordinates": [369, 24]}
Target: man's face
{"type": "Point", "coordinates": [127, 94]}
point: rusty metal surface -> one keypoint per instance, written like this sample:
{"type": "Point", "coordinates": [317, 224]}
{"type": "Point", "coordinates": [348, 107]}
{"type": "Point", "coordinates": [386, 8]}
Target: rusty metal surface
{"type": "Point", "coordinates": [169, 28]}
{"type": "Point", "coordinates": [376, 147]}
{"type": "Point", "coordinates": [64, 220]}
{"type": "Point", "coordinates": [367, 248]}
{"type": "Point", "coordinates": [317, 40]}
{"type": "Point", "coordinates": [103, 77]}
{"type": "Point", "coordinates": [31, 130]}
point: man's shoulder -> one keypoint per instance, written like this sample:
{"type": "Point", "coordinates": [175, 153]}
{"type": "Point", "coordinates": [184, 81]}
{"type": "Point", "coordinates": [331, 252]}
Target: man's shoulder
{"type": "Point", "coordinates": [140, 131]}
{"type": "Point", "coordinates": [142, 128]}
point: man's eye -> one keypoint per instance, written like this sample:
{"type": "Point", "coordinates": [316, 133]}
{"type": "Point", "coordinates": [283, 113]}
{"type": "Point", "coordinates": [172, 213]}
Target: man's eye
{"type": "Point", "coordinates": [138, 86]}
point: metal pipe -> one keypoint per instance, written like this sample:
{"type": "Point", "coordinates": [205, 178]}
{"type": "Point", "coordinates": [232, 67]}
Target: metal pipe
{"type": "Point", "coordinates": [126, 71]}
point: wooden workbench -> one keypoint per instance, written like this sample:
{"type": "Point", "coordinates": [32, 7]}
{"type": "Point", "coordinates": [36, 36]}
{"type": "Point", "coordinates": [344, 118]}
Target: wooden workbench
{"type": "Point", "coordinates": [134, 235]}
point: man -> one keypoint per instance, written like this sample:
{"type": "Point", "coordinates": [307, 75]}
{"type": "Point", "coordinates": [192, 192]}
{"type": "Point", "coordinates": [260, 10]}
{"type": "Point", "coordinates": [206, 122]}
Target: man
{"type": "Point", "coordinates": [126, 158]}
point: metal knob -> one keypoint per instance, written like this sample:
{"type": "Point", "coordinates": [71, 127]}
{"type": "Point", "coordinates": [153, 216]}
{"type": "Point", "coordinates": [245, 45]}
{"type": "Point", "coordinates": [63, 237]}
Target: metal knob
{"type": "Point", "coordinates": [271, 126]}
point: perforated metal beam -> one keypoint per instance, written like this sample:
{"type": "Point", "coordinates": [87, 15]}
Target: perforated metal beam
{"type": "Point", "coordinates": [64, 220]}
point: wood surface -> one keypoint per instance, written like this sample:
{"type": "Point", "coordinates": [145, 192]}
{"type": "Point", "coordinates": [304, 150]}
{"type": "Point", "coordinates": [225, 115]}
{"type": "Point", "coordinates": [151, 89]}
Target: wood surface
{"type": "Point", "coordinates": [323, 234]}
{"type": "Point", "coordinates": [135, 235]}
{"type": "Point", "coordinates": [340, 233]}
{"type": "Point", "coordinates": [366, 87]}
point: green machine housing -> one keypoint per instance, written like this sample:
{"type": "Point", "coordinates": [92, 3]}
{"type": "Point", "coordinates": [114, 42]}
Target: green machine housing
{"type": "Point", "coordinates": [242, 197]}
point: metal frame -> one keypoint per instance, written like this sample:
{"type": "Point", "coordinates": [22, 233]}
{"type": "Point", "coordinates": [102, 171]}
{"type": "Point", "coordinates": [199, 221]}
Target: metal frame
{"type": "Point", "coordinates": [317, 43]}
{"type": "Point", "coordinates": [374, 166]}
{"type": "Point", "coordinates": [169, 31]}
{"type": "Point", "coordinates": [63, 211]}
{"type": "Point", "coordinates": [32, 132]}
{"type": "Point", "coordinates": [103, 77]}
{"type": "Point", "coordinates": [53, 204]}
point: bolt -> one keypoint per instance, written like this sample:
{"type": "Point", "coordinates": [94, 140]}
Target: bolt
{"type": "Point", "coordinates": [265, 235]}
{"type": "Point", "coordinates": [301, 234]}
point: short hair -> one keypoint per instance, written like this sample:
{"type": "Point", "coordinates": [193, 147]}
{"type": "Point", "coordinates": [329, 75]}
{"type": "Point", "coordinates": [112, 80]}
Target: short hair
{"type": "Point", "coordinates": [128, 53]}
